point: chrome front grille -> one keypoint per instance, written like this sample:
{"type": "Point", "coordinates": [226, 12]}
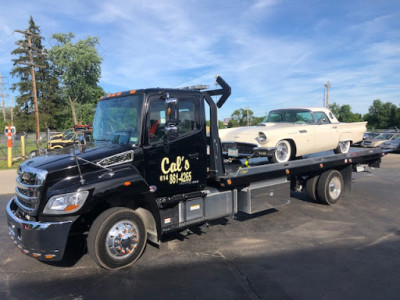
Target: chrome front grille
{"type": "Point", "coordinates": [30, 182]}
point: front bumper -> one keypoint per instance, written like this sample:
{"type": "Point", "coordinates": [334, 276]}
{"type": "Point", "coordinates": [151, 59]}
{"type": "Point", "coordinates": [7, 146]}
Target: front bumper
{"type": "Point", "coordinates": [41, 240]}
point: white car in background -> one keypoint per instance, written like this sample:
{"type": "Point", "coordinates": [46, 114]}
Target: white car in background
{"type": "Point", "coordinates": [292, 132]}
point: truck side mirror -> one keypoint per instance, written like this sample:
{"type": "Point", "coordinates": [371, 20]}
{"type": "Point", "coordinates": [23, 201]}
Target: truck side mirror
{"type": "Point", "coordinates": [172, 117]}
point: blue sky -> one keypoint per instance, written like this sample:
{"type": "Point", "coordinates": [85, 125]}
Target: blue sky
{"type": "Point", "coordinates": [273, 53]}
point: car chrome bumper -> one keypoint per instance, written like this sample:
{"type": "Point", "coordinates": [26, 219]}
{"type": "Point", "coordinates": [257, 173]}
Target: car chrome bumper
{"type": "Point", "coordinates": [41, 240]}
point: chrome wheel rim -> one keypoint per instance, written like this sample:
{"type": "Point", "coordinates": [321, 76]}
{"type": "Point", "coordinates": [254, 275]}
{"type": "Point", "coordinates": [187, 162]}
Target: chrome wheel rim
{"type": "Point", "coordinates": [335, 188]}
{"type": "Point", "coordinates": [282, 152]}
{"type": "Point", "coordinates": [122, 239]}
{"type": "Point", "coordinates": [344, 146]}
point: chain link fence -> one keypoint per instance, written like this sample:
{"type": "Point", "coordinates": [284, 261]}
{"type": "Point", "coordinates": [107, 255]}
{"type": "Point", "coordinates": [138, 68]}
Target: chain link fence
{"type": "Point", "coordinates": [30, 145]}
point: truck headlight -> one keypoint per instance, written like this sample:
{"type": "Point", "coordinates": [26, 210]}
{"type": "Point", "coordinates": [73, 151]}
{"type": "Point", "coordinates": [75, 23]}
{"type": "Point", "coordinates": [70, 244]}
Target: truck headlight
{"type": "Point", "coordinates": [65, 203]}
{"type": "Point", "coordinates": [262, 138]}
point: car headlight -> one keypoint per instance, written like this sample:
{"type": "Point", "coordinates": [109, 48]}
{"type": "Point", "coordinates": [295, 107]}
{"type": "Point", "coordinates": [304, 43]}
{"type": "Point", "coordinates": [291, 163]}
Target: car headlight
{"type": "Point", "coordinates": [65, 203]}
{"type": "Point", "coordinates": [262, 138]}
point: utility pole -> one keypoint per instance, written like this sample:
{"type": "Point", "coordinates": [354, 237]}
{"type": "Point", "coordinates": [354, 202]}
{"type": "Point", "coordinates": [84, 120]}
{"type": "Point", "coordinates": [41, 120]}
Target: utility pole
{"type": "Point", "coordinates": [12, 111]}
{"type": "Point", "coordinates": [29, 35]}
{"type": "Point", "coordinates": [247, 115]}
{"type": "Point", "coordinates": [327, 94]}
{"type": "Point", "coordinates": [2, 95]}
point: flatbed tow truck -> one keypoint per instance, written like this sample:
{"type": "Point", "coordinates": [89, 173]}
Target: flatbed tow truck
{"type": "Point", "coordinates": [154, 169]}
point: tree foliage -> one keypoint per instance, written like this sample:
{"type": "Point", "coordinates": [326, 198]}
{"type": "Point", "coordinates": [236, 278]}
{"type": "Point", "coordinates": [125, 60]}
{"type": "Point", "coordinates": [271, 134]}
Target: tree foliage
{"type": "Point", "coordinates": [239, 118]}
{"type": "Point", "coordinates": [49, 102]}
{"type": "Point", "coordinates": [344, 114]}
{"type": "Point", "coordinates": [383, 115]}
{"type": "Point", "coordinates": [78, 68]}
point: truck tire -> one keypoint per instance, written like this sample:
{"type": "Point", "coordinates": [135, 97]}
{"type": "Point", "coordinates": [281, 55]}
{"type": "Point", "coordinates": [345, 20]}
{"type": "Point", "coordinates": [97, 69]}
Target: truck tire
{"type": "Point", "coordinates": [330, 187]}
{"type": "Point", "coordinates": [343, 147]}
{"type": "Point", "coordinates": [283, 152]}
{"type": "Point", "coordinates": [311, 188]}
{"type": "Point", "coordinates": [116, 238]}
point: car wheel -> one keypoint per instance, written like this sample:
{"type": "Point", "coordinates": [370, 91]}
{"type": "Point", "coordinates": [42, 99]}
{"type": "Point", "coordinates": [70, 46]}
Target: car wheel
{"type": "Point", "coordinates": [330, 187]}
{"type": "Point", "coordinates": [117, 238]}
{"type": "Point", "coordinates": [343, 147]}
{"type": "Point", "coordinates": [283, 152]}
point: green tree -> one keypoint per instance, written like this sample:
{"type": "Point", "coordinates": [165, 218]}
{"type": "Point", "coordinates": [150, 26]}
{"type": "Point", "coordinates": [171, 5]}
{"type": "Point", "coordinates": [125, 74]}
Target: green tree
{"type": "Point", "coordinates": [257, 120]}
{"type": "Point", "coordinates": [46, 84]}
{"type": "Point", "coordinates": [240, 117]}
{"type": "Point", "coordinates": [335, 109]}
{"type": "Point", "coordinates": [78, 67]}
{"type": "Point", "coordinates": [383, 115]}
{"type": "Point", "coordinates": [344, 114]}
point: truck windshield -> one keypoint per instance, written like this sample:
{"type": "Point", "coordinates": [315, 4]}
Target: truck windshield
{"type": "Point", "coordinates": [117, 120]}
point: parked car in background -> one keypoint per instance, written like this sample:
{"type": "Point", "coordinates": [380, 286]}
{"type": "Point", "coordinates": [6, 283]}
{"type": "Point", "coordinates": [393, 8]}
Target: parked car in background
{"type": "Point", "coordinates": [292, 132]}
{"type": "Point", "coordinates": [381, 138]}
{"type": "Point", "coordinates": [68, 140]}
{"type": "Point", "coordinates": [392, 145]}
{"type": "Point", "coordinates": [61, 135]}
{"type": "Point", "coordinates": [367, 135]}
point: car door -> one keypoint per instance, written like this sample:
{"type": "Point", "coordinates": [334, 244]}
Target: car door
{"type": "Point", "coordinates": [175, 163]}
{"type": "Point", "coordinates": [326, 133]}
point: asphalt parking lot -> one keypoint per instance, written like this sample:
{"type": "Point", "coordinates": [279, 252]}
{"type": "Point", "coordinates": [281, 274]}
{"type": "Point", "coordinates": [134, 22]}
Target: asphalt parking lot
{"type": "Point", "coordinates": [300, 251]}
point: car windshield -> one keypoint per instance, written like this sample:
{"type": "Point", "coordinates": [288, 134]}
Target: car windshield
{"type": "Point", "coordinates": [384, 136]}
{"type": "Point", "coordinates": [396, 138]}
{"type": "Point", "coordinates": [290, 116]}
{"type": "Point", "coordinates": [69, 136]}
{"type": "Point", "coordinates": [117, 120]}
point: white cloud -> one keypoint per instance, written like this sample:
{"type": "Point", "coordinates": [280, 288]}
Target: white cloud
{"type": "Point", "coordinates": [269, 59]}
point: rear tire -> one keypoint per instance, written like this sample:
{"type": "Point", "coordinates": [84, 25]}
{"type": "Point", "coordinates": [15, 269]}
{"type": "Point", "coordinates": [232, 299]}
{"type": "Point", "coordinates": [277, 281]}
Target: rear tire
{"type": "Point", "coordinates": [283, 152]}
{"type": "Point", "coordinates": [330, 187]}
{"type": "Point", "coordinates": [311, 188]}
{"type": "Point", "coordinates": [116, 238]}
{"type": "Point", "coordinates": [343, 147]}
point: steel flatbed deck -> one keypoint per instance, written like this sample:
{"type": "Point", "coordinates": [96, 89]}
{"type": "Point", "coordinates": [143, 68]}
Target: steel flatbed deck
{"type": "Point", "coordinates": [312, 165]}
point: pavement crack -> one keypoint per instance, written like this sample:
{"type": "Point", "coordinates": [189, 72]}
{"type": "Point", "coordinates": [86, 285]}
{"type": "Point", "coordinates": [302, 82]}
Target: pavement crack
{"type": "Point", "coordinates": [236, 270]}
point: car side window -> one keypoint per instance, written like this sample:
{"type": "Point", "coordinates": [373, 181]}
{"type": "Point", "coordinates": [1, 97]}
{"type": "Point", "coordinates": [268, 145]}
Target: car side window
{"type": "Point", "coordinates": [321, 118]}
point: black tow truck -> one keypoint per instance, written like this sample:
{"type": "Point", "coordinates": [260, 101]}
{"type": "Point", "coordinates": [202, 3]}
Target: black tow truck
{"type": "Point", "coordinates": [153, 168]}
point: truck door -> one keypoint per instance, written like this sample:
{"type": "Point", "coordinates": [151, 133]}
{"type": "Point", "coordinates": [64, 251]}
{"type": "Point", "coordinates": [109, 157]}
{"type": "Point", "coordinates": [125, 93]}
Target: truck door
{"type": "Point", "coordinates": [175, 163]}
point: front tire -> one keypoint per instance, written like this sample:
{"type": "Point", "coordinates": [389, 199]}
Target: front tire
{"type": "Point", "coordinates": [117, 238]}
{"type": "Point", "coordinates": [343, 147]}
{"type": "Point", "coordinates": [283, 152]}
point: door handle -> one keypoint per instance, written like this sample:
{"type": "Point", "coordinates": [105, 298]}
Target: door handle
{"type": "Point", "coordinates": [194, 155]}
{"type": "Point", "coordinates": [334, 127]}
